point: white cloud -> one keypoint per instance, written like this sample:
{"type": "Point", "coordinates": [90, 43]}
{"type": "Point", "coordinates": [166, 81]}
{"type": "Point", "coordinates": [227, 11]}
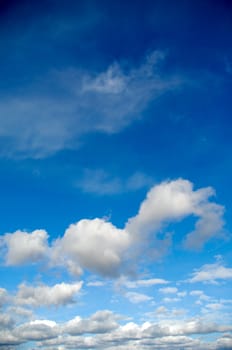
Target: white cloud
{"type": "Point", "coordinates": [101, 322]}
{"type": "Point", "coordinates": [42, 120]}
{"type": "Point", "coordinates": [172, 201]}
{"type": "Point", "coordinates": [6, 321]}
{"type": "Point", "coordinates": [169, 290]}
{"type": "Point", "coordinates": [143, 283]}
{"type": "Point", "coordinates": [200, 294]}
{"type": "Point", "coordinates": [225, 342]}
{"type": "Point", "coordinates": [136, 298]}
{"type": "Point", "coordinates": [170, 300]}
{"type": "Point", "coordinates": [101, 183]}
{"type": "Point", "coordinates": [36, 330]}
{"type": "Point", "coordinates": [3, 296]}
{"type": "Point", "coordinates": [42, 295]}
{"type": "Point", "coordinates": [214, 306]}
{"type": "Point", "coordinates": [99, 246]}
{"type": "Point", "coordinates": [96, 245]}
{"type": "Point", "coordinates": [211, 273]}
{"type": "Point", "coordinates": [24, 247]}
{"type": "Point", "coordinates": [95, 284]}
{"type": "Point", "coordinates": [161, 310]}
{"type": "Point", "coordinates": [108, 333]}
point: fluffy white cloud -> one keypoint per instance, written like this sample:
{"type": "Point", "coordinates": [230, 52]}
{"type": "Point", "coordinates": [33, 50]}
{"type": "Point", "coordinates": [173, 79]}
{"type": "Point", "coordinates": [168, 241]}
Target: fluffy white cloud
{"type": "Point", "coordinates": [24, 247]}
{"type": "Point", "coordinates": [59, 294]}
{"type": "Point", "coordinates": [36, 330]}
{"type": "Point", "coordinates": [101, 322]}
{"type": "Point", "coordinates": [173, 200]}
{"type": "Point", "coordinates": [96, 245]}
{"type": "Point", "coordinates": [211, 273]}
{"type": "Point", "coordinates": [99, 246]}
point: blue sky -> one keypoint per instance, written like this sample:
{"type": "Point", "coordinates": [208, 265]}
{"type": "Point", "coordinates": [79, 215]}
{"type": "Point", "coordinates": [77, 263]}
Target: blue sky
{"type": "Point", "coordinates": [115, 155]}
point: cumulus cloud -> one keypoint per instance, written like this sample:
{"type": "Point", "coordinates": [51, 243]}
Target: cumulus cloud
{"type": "Point", "coordinates": [102, 321]}
{"type": "Point", "coordinates": [102, 330]}
{"type": "Point", "coordinates": [43, 295]}
{"type": "Point", "coordinates": [96, 245]}
{"type": "Point", "coordinates": [99, 246]}
{"type": "Point", "coordinates": [172, 201]}
{"type": "Point", "coordinates": [42, 120]}
{"type": "Point", "coordinates": [24, 247]}
{"type": "Point", "coordinates": [211, 273]}
{"type": "Point", "coordinates": [37, 330]}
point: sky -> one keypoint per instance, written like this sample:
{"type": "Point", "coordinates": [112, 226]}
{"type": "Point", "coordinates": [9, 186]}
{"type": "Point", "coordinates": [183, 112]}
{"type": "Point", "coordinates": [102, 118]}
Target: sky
{"type": "Point", "coordinates": [115, 158]}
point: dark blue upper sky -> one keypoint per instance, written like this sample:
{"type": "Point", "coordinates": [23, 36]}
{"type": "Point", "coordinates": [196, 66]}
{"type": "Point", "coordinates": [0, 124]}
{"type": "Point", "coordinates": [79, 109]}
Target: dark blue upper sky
{"type": "Point", "coordinates": [185, 132]}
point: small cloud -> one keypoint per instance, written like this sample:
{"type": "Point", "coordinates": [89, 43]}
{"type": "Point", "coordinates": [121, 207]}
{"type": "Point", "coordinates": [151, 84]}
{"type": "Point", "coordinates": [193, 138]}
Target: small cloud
{"type": "Point", "coordinates": [171, 300]}
{"type": "Point", "coordinates": [137, 298]}
{"type": "Point", "coordinates": [95, 284]}
{"type": "Point", "coordinates": [143, 283]}
{"type": "Point", "coordinates": [211, 273]}
{"type": "Point", "coordinates": [161, 310]}
{"type": "Point", "coordinates": [169, 290]}
{"type": "Point", "coordinates": [99, 182]}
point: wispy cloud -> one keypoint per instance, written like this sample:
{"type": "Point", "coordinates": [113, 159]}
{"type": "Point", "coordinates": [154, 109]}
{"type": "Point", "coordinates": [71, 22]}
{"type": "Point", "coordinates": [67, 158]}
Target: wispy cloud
{"type": "Point", "coordinates": [101, 183]}
{"type": "Point", "coordinates": [51, 116]}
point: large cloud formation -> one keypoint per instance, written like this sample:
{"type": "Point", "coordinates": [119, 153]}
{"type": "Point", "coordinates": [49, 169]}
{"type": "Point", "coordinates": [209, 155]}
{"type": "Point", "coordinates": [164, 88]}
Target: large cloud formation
{"type": "Point", "coordinates": [99, 246]}
{"type": "Point", "coordinates": [103, 330]}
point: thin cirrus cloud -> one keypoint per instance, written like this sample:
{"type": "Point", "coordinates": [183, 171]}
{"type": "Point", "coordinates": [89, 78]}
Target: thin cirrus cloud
{"type": "Point", "coordinates": [99, 182]}
{"type": "Point", "coordinates": [46, 119]}
{"type": "Point", "coordinates": [99, 246]}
